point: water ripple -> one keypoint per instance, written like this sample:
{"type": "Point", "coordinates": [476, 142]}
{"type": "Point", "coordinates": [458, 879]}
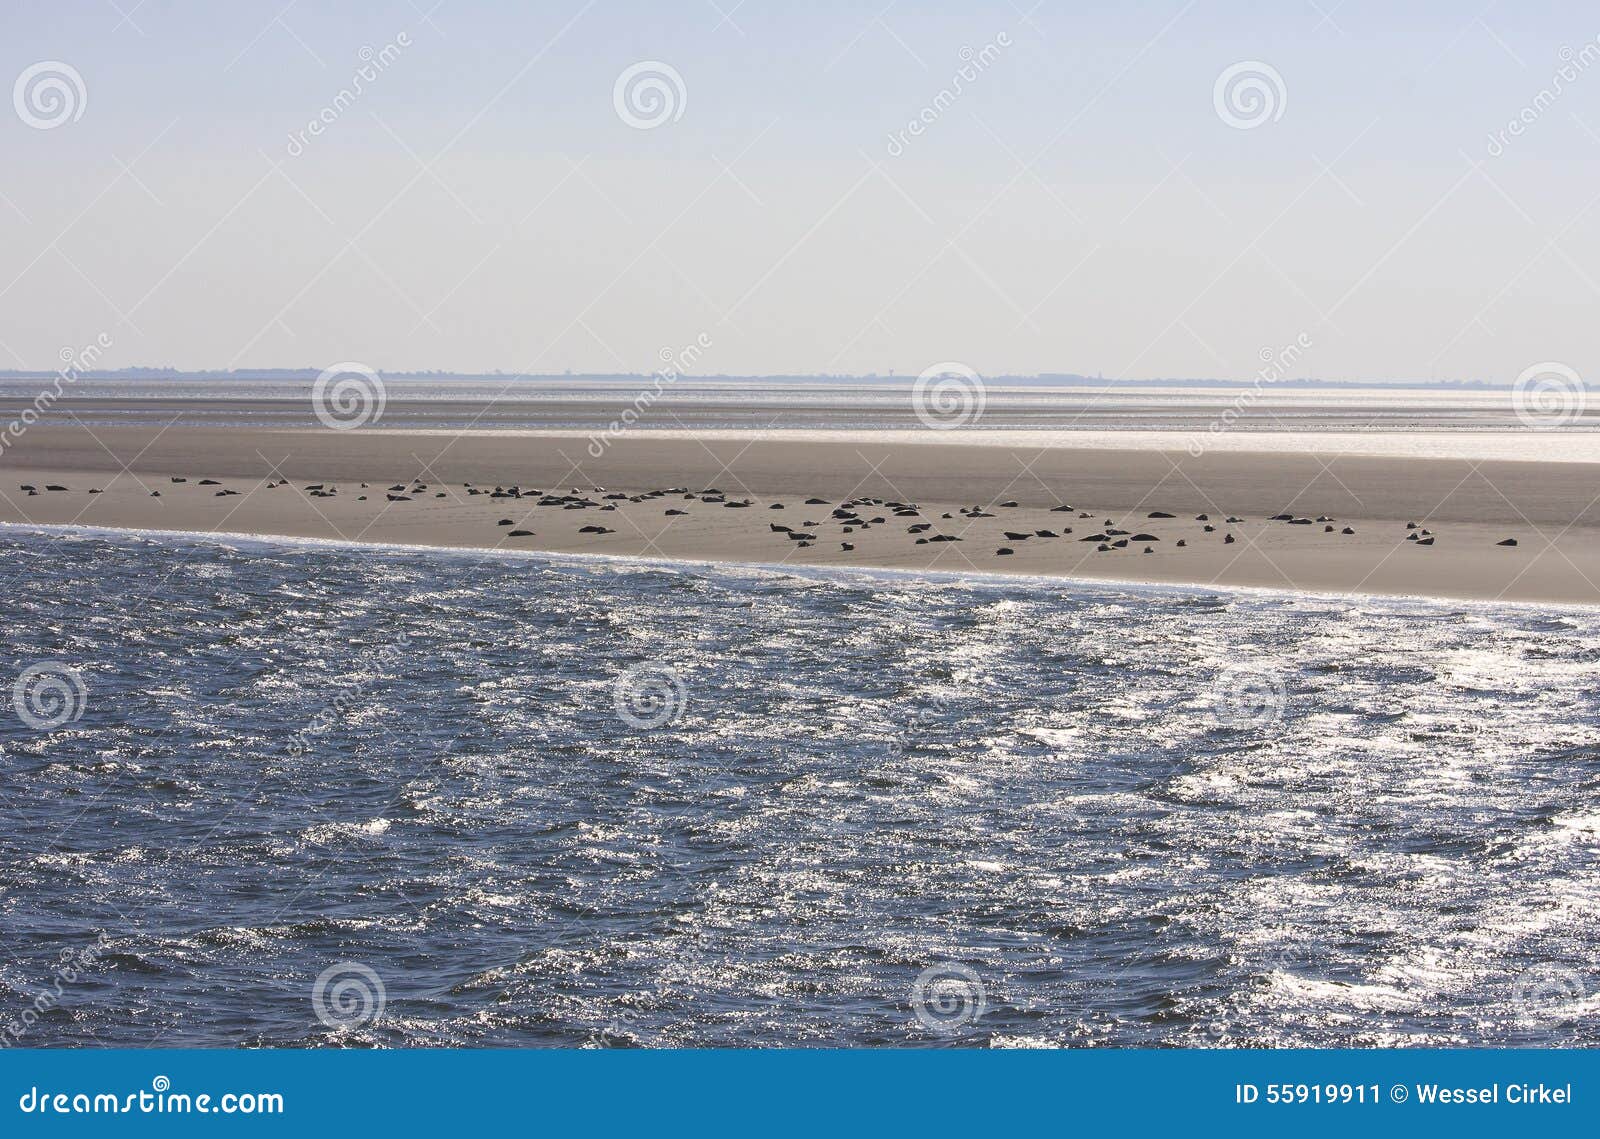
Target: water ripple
{"type": "Point", "coordinates": [1133, 817]}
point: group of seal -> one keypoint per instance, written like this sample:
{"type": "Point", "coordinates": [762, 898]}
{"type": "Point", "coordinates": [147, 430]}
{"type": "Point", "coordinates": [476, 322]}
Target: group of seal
{"type": "Point", "coordinates": [850, 516]}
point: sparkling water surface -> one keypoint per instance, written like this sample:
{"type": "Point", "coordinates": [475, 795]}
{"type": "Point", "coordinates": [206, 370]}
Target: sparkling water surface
{"type": "Point", "coordinates": [525, 800]}
{"type": "Point", "coordinates": [753, 403]}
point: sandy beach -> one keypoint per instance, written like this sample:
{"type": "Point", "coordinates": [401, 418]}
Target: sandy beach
{"type": "Point", "coordinates": [970, 502]}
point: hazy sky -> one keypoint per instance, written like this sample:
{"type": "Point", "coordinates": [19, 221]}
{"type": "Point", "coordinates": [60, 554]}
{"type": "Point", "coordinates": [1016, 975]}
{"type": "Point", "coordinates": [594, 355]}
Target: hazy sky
{"type": "Point", "coordinates": [1081, 204]}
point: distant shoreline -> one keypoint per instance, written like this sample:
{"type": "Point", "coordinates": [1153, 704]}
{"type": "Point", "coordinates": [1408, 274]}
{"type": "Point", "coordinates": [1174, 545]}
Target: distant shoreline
{"type": "Point", "coordinates": [1042, 379]}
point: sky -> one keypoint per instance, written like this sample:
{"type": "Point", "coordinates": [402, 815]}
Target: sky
{"type": "Point", "coordinates": [1097, 194]}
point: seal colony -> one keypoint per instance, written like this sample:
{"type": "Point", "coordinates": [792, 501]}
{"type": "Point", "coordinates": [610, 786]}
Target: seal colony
{"type": "Point", "coordinates": [1062, 539]}
{"type": "Point", "coordinates": [1310, 522]}
{"type": "Point", "coordinates": [851, 516]}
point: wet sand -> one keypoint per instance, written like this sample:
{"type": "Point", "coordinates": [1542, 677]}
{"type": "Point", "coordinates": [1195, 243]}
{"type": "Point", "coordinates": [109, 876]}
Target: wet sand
{"type": "Point", "coordinates": [1551, 509]}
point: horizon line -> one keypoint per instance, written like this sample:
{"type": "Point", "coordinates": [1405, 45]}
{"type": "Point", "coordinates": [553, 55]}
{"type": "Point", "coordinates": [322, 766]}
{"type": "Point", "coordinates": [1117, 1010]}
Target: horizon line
{"type": "Point", "coordinates": [144, 372]}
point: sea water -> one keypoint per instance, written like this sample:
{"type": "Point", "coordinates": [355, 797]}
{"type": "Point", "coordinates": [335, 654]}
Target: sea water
{"type": "Point", "coordinates": [273, 793]}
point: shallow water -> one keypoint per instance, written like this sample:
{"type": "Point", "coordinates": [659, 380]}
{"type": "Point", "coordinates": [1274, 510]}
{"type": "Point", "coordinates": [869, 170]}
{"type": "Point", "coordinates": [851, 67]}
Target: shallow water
{"type": "Point", "coordinates": [551, 801]}
{"type": "Point", "coordinates": [1362, 416]}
